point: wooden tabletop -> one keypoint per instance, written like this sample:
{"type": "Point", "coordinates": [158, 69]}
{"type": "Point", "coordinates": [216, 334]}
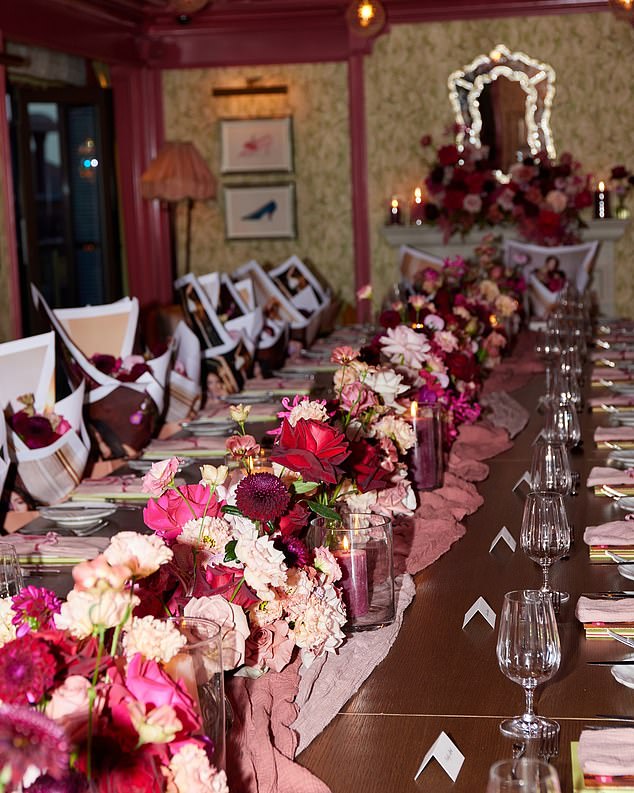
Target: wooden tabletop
{"type": "Point", "coordinates": [441, 677]}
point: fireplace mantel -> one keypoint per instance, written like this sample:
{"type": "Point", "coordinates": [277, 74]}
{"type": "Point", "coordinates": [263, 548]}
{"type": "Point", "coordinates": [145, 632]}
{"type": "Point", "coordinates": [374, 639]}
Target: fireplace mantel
{"type": "Point", "coordinates": [607, 232]}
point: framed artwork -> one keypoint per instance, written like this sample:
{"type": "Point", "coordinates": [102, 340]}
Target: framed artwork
{"type": "Point", "coordinates": [250, 145]}
{"type": "Point", "coordinates": [260, 212]}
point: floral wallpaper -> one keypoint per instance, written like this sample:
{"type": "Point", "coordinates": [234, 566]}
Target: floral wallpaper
{"type": "Point", "coordinates": [406, 97]}
{"type": "Point", "coordinates": [317, 102]}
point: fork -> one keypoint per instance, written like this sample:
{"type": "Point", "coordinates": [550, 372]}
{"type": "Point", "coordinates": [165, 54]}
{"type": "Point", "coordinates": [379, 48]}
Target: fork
{"type": "Point", "coordinates": [623, 639]}
{"type": "Point", "coordinates": [548, 741]}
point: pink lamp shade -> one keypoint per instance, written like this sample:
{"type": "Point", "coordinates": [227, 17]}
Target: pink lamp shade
{"type": "Point", "coordinates": [178, 172]}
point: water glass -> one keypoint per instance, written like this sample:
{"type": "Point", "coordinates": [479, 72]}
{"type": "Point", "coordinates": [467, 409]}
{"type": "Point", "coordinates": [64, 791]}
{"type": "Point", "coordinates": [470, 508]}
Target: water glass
{"type": "Point", "coordinates": [199, 665]}
{"type": "Point", "coordinates": [562, 422]}
{"type": "Point", "coordinates": [526, 775]}
{"type": "Point", "coordinates": [545, 534]}
{"type": "Point", "coordinates": [362, 545]}
{"type": "Point", "coordinates": [528, 653]}
{"type": "Point", "coordinates": [11, 581]}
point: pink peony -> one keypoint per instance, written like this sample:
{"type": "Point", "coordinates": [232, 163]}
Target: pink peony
{"type": "Point", "coordinates": [160, 476]}
{"type": "Point", "coordinates": [174, 508]}
{"type": "Point", "coordinates": [69, 706]}
{"type": "Point", "coordinates": [270, 647]}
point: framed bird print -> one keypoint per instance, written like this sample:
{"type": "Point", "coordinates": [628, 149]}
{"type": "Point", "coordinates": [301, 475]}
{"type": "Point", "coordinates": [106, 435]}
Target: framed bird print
{"type": "Point", "coordinates": [251, 145]}
{"type": "Point", "coordinates": [260, 211]}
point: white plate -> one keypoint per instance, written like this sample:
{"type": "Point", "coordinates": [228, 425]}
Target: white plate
{"type": "Point", "coordinates": [77, 517]}
{"type": "Point", "coordinates": [247, 399]}
{"type": "Point", "coordinates": [623, 674]}
{"type": "Point", "coordinates": [143, 466]}
{"type": "Point", "coordinates": [626, 570]}
{"type": "Point", "coordinates": [209, 430]}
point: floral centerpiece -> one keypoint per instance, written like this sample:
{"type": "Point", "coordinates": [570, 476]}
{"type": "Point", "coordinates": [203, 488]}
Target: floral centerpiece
{"type": "Point", "coordinates": [542, 198]}
{"type": "Point", "coordinates": [113, 716]}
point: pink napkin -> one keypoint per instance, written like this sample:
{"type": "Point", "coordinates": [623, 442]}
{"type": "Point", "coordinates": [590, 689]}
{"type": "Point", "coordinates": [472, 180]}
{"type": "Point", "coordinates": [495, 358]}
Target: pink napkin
{"type": "Point", "coordinates": [455, 499]}
{"type": "Point", "coordinates": [610, 476]}
{"type": "Point", "coordinates": [611, 399]}
{"type": "Point", "coordinates": [616, 532]}
{"type": "Point", "coordinates": [261, 744]}
{"type": "Point", "coordinates": [185, 445]}
{"type": "Point", "coordinates": [420, 541]}
{"type": "Point", "coordinates": [110, 484]}
{"type": "Point", "coordinates": [613, 355]}
{"type": "Point", "coordinates": [605, 609]}
{"type": "Point", "coordinates": [465, 468]}
{"type": "Point", "coordinates": [608, 752]}
{"type": "Point", "coordinates": [613, 434]}
{"type": "Point", "coordinates": [609, 373]}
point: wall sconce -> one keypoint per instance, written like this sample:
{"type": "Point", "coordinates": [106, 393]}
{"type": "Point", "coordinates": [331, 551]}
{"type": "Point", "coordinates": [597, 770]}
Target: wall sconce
{"type": "Point", "coordinates": [365, 17]}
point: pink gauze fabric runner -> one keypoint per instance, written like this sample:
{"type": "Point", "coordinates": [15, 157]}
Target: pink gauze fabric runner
{"type": "Point", "coordinates": [278, 715]}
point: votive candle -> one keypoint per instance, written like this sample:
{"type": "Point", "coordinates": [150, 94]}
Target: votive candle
{"type": "Point", "coordinates": [424, 455]}
{"type": "Point", "coordinates": [354, 578]}
{"type": "Point", "coordinates": [395, 212]}
{"type": "Point", "coordinates": [417, 211]}
{"type": "Point", "coordinates": [601, 202]}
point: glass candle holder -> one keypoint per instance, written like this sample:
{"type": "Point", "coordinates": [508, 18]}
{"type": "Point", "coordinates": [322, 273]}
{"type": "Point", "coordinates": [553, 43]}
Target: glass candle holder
{"type": "Point", "coordinates": [425, 459]}
{"type": "Point", "coordinates": [362, 546]}
{"type": "Point", "coordinates": [199, 665]}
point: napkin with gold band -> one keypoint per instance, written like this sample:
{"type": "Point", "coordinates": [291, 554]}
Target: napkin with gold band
{"type": "Point", "coordinates": [258, 412]}
{"type": "Point", "coordinates": [54, 549]}
{"type": "Point", "coordinates": [613, 354]}
{"type": "Point", "coordinates": [600, 373]}
{"type": "Point", "coordinates": [199, 447]}
{"type": "Point", "coordinates": [602, 613]}
{"type": "Point", "coordinates": [612, 477]}
{"type": "Point", "coordinates": [115, 488]}
{"type": "Point", "coordinates": [606, 757]}
{"type": "Point", "coordinates": [620, 436]}
{"type": "Point", "coordinates": [279, 386]}
{"type": "Point", "coordinates": [611, 403]}
{"type": "Point", "coordinates": [616, 536]}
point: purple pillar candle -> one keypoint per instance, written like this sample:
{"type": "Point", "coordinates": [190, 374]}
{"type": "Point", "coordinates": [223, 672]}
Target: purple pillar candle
{"type": "Point", "coordinates": [354, 579]}
{"type": "Point", "coordinates": [425, 456]}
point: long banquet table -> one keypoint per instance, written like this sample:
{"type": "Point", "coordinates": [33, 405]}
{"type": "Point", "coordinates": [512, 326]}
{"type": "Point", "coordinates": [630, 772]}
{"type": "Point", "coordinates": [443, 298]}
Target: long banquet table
{"type": "Point", "coordinates": [438, 676]}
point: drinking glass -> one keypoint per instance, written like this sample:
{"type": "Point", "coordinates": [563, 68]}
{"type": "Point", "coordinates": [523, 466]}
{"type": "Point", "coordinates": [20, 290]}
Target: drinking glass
{"type": "Point", "coordinates": [562, 422]}
{"type": "Point", "coordinates": [550, 467]}
{"type": "Point", "coordinates": [11, 581]}
{"type": "Point", "coordinates": [526, 775]}
{"type": "Point", "coordinates": [528, 653]}
{"type": "Point", "coordinates": [545, 532]}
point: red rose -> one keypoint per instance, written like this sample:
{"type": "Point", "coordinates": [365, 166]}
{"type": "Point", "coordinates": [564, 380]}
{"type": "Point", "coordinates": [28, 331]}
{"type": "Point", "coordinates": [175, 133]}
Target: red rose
{"type": "Point", "coordinates": [461, 365]}
{"type": "Point", "coordinates": [549, 223]}
{"type": "Point", "coordinates": [107, 364]}
{"type": "Point", "coordinates": [390, 319]}
{"type": "Point", "coordinates": [295, 520]}
{"type": "Point", "coordinates": [619, 172]}
{"type": "Point", "coordinates": [454, 199]}
{"type": "Point", "coordinates": [35, 431]}
{"type": "Point", "coordinates": [448, 155]}
{"type": "Point", "coordinates": [364, 464]}
{"type": "Point", "coordinates": [311, 448]}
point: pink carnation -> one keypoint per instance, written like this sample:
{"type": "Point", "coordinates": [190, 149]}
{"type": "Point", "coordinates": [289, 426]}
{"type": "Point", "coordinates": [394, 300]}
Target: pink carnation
{"type": "Point", "coordinates": [160, 476]}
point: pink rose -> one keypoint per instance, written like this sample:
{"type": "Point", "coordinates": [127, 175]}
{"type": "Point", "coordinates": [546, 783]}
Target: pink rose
{"type": "Point", "coordinates": [270, 647]}
{"type": "Point", "coordinates": [356, 398]}
{"type": "Point", "coordinates": [146, 682]}
{"type": "Point", "coordinates": [232, 622]}
{"type": "Point", "coordinates": [69, 706]}
{"type": "Point", "coordinates": [160, 476]}
{"type": "Point", "coordinates": [171, 511]}
{"type": "Point", "coordinates": [242, 446]}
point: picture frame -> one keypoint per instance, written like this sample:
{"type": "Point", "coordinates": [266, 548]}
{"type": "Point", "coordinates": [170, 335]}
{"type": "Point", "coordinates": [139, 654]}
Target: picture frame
{"type": "Point", "coordinates": [256, 145]}
{"type": "Point", "coordinates": [262, 211]}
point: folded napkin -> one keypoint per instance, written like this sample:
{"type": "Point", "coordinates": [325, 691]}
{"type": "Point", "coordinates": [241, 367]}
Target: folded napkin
{"type": "Point", "coordinates": [610, 373]}
{"type": "Point", "coordinates": [617, 400]}
{"type": "Point", "coordinates": [608, 752]}
{"type": "Point", "coordinates": [53, 548]}
{"type": "Point", "coordinates": [195, 446]}
{"type": "Point", "coordinates": [605, 609]}
{"type": "Point", "coordinates": [616, 532]}
{"type": "Point", "coordinates": [600, 475]}
{"type": "Point", "coordinates": [123, 488]}
{"type": "Point", "coordinates": [276, 385]}
{"type": "Point", "coordinates": [260, 411]}
{"type": "Point", "coordinates": [602, 434]}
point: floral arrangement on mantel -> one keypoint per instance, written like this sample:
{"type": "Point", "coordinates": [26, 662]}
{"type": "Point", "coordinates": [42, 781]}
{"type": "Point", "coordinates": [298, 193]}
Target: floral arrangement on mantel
{"type": "Point", "coordinates": [543, 199]}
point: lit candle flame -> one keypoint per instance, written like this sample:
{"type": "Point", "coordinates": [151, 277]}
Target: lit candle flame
{"type": "Point", "coordinates": [395, 203]}
{"type": "Point", "coordinates": [345, 543]}
{"type": "Point", "coordinates": [418, 195]}
{"type": "Point", "coordinates": [366, 13]}
{"type": "Point", "coordinates": [413, 409]}
{"type": "Point", "coordinates": [601, 187]}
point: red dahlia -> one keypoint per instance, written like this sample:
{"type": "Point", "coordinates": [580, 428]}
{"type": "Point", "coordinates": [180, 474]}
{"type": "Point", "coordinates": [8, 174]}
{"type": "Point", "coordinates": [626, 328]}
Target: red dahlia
{"type": "Point", "coordinates": [27, 670]}
{"type": "Point", "coordinates": [262, 497]}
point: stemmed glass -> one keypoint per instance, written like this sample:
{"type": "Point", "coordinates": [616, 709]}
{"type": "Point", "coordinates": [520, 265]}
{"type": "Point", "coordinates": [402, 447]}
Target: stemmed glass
{"type": "Point", "coordinates": [562, 422]}
{"type": "Point", "coordinates": [11, 581]}
{"type": "Point", "coordinates": [550, 467]}
{"type": "Point", "coordinates": [545, 533]}
{"type": "Point", "coordinates": [528, 653]}
{"type": "Point", "coordinates": [526, 775]}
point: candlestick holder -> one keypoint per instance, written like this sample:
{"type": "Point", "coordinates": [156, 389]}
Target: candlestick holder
{"type": "Point", "coordinates": [426, 460]}
{"type": "Point", "coordinates": [602, 209]}
{"type": "Point", "coordinates": [362, 545]}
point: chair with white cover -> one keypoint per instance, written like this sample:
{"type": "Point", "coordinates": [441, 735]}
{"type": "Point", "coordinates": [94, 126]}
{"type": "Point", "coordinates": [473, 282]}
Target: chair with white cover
{"type": "Point", "coordinates": [184, 383]}
{"type": "Point", "coordinates": [123, 415]}
{"type": "Point", "coordinates": [575, 261]}
{"type": "Point", "coordinates": [47, 470]}
{"type": "Point", "coordinates": [411, 262]}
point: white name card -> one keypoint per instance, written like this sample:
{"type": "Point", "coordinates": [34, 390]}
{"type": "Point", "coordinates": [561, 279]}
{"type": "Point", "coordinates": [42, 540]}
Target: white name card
{"type": "Point", "coordinates": [445, 751]}
{"type": "Point", "coordinates": [505, 535]}
{"type": "Point", "coordinates": [525, 477]}
{"type": "Point", "coordinates": [482, 607]}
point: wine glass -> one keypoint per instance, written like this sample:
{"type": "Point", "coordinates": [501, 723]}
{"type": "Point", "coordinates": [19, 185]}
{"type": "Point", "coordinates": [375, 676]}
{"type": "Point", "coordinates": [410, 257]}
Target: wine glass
{"type": "Point", "coordinates": [545, 533]}
{"type": "Point", "coordinates": [526, 775]}
{"type": "Point", "coordinates": [11, 581]}
{"type": "Point", "coordinates": [562, 422]}
{"type": "Point", "coordinates": [550, 467]}
{"type": "Point", "coordinates": [528, 653]}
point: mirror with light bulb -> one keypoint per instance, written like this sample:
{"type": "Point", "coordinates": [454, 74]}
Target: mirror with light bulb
{"type": "Point", "coordinates": [503, 101]}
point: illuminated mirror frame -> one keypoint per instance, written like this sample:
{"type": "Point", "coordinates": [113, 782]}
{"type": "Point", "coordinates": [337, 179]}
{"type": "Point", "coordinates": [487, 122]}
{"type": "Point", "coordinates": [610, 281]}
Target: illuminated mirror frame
{"type": "Point", "coordinates": [537, 81]}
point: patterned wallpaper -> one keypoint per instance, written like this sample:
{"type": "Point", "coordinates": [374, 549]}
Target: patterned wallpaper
{"type": "Point", "coordinates": [317, 101]}
{"type": "Point", "coordinates": [406, 97]}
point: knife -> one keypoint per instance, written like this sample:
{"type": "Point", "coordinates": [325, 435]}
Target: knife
{"type": "Point", "coordinates": [624, 662]}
